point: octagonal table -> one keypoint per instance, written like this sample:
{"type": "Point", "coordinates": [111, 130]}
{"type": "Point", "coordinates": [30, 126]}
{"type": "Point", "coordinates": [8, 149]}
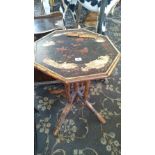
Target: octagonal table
{"type": "Point", "coordinates": [76, 57]}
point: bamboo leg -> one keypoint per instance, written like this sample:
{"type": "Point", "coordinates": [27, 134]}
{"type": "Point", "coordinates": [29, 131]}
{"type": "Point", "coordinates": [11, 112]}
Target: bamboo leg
{"type": "Point", "coordinates": [86, 91]}
{"type": "Point", "coordinates": [66, 109]}
{"type": "Point", "coordinates": [64, 113]}
{"type": "Point", "coordinates": [56, 92]}
{"type": "Point", "coordinates": [68, 92]}
{"type": "Point", "coordinates": [84, 100]}
{"type": "Point", "coordinates": [76, 88]}
{"type": "Point", "coordinates": [99, 116]}
{"type": "Point", "coordinates": [78, 92]}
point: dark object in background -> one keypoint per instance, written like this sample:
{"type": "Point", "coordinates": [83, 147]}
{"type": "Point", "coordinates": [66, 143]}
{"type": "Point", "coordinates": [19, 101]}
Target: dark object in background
{"type": "Point", "coordinates": [38, 36]}
{"type": "Point", "coordinates": [45, 24]}
{"type": "Point", "coordinates": [101, 17]}
{"type": "Point", "coordinates": [48, 23]}
{"type": "Point", "coordinates": [40, 76]}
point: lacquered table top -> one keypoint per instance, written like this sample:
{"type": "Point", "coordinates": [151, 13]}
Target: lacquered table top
{"type": "Point", "coordinates": [75, 55]}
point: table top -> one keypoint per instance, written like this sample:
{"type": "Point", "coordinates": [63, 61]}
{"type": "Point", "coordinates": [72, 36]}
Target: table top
{"type": "Point", "coordinates": [75, 55]}
{"type": "Point", "coordinates": [48, 23]}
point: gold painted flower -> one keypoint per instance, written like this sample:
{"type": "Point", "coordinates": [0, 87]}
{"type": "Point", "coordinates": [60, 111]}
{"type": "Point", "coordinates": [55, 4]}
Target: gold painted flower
{"type": "Point", "coordinates": [97, 89]}
{"type": "Point", "coordinates": [45, 103]}
{"type": "Point", "coordinates": [68, 131]}
{"type": "Point", "coordinates": [112, 145]}
{"type": "Point", "coordinates": [44, 125]}
{"type": "Point", "coordinates": [108, 148]}
{"type": "Point", "coordinates": [110, 87]}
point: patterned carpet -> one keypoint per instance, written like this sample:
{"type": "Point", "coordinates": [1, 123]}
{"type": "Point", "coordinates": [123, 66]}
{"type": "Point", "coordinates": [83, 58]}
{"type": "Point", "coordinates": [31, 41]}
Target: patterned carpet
{"type": "Point", "coordinates": [81, 133]}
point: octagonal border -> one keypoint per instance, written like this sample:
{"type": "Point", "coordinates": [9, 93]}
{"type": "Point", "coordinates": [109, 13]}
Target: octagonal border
{"type": "Point", "coordinates": [84, 77]}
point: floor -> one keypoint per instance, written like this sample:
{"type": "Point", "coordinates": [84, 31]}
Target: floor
{"type": "Point", "coordinates": [81, 133]}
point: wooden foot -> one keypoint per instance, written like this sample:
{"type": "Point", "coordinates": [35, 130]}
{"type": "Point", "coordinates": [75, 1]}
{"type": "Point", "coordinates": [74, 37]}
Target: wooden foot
{"type": "Point", "coordinates": [99, 116]}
